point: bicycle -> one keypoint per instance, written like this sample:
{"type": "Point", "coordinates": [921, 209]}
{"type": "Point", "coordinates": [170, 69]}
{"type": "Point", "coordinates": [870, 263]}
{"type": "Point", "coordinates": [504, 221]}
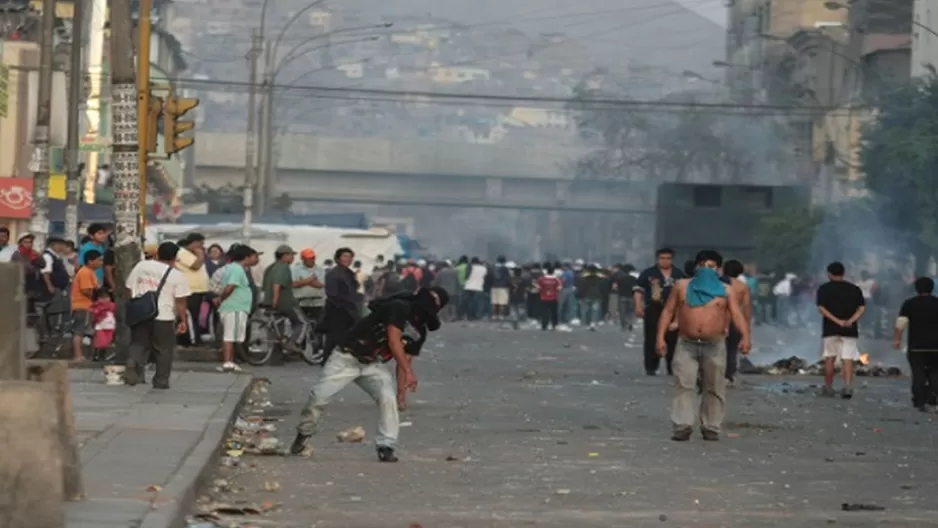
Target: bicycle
{"type": "Point", "coordinates": [268, 329]}
{"type": "Point", "coordinates": [55, 332]}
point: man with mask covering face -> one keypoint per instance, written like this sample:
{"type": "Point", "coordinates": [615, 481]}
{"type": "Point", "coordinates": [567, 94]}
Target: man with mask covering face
{"type": "Point", "coordinates": [395, 328]}
{"type": "Point", "coordinates": [704, 308]}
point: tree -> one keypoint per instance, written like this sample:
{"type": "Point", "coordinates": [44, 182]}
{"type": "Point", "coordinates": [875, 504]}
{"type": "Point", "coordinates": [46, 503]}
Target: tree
{"type": "Point", "coordinates": [785, 239]}
{"type": "Point", "coordinates": [900, 162]}
{"type": "Point", "coordinates": [682, 139]}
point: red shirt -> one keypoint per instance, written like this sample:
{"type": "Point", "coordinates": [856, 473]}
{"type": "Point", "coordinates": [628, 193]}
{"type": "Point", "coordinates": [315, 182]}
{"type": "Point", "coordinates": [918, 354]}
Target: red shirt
{"type": "Point", "coordinates": [549, 287]}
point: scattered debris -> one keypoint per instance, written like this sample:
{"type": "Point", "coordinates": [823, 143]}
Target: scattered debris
{"type": "Point", "coordinates": [795, 365]}
{"type": "Point", "coordinates": [847, 506]}
{"type": "Point", "coordinates": [354, 435]}
{"type": "Point", "coordinates": [662, 517]}
{"type": "Point", "coordinates": [153, 488]}
{"type": "Point", "coordinates": [271, 485]}
{"type": "Point", "coordinates": [451, 458]}
{"type": "Point", "coordinates": [563, 492]}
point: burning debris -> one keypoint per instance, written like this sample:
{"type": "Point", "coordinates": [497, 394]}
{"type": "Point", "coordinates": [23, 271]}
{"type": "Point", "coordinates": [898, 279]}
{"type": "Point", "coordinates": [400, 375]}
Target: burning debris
{"type": "Point", "coordinates": [796, 366]}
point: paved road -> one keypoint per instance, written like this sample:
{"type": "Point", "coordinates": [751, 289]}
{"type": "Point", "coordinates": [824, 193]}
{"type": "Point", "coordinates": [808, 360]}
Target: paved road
{"type": "Point", "coordinates": [513, 429]}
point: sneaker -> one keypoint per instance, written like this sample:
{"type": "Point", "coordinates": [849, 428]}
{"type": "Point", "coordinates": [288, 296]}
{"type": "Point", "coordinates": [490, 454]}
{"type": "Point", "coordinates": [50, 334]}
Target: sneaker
{"type": "Point", "coordinates": [228, 366]}
{"type": "Point", "coordinates": [386, 454]}
{"type": "Point", "coordinates": [846, 393]}
{"type": "Point", "coordinates": [828, 391]}
{"type": "Point", "coordinates": [710, 436]}
{"type": "Point", "coordinates": [299, 443]}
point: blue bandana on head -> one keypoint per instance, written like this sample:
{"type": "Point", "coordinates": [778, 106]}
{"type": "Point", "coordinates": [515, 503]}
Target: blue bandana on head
{"type": "Point", "coordinates": [704, 287]}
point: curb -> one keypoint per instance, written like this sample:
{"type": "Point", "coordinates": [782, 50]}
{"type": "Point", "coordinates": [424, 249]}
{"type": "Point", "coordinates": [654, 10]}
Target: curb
{"type": "Point", "coordinates": [171, 506]}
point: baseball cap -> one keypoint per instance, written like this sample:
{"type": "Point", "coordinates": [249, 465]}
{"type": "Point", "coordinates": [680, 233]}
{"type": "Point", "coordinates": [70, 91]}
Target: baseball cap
{"type": "Point", "coordinates": [307, 253]}
{"type": "Point", "coordinates": [284, 249]}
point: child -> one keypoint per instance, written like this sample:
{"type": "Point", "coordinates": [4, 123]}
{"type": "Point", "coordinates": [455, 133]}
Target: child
{"type": "Point", "coordinates": [104, 324]}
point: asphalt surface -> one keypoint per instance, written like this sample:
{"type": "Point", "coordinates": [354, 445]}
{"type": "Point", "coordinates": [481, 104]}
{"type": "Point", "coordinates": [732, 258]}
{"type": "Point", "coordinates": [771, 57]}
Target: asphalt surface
{"type": "Point", "coordinates": [516, 429]}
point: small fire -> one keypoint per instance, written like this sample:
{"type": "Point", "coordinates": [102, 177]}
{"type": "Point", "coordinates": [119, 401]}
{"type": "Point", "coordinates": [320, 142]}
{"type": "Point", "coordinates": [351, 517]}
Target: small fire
{"type": "Point", "coordinates": [864, 359]}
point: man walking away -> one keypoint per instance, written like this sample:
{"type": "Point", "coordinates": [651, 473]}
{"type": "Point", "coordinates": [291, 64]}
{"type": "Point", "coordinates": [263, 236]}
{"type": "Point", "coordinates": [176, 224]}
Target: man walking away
{"type": "Point", "coordinates": [591, 290]}
{"type": "Point", "coordinates": [236, 301]}
{"type": "Point", "coordinates": [549, 286]}
{"type": "Point", "coordinates": [157, 338]}
{"type": "Point", "coordinates": [395, 328]}
{"type": "Point", "coordinates": [741, 296]}
{"type": "Point", "coordinates": [841, 305]}
{"type": "Point", "coordinates": [919, 315]}
{"type": "Point", "coordinates": [704, 308]}
{"type": "Point", "coordinates": [650, 294]}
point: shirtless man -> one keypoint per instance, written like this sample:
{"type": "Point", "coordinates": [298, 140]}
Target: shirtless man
{"type": "Point", "coordinates": [739, 293]}
{"type": "Point", "coordinates": [704, 310]}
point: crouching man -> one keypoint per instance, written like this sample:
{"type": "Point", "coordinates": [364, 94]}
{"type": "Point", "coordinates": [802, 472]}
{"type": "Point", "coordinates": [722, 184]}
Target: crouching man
{"type": "Point", "coordinates": [395, 328]}
{"type": "Point", "coordinates": [704, 307]}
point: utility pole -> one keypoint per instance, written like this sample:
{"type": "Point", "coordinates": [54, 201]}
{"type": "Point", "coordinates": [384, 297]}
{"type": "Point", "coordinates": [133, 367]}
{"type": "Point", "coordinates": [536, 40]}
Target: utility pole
{"type": "Point", "coordinates": [265, 130]}
{"type": "Point", "coordinates": [124, 157]}
{"type": "Point", "coordinates": [143, 109]}
{"type": "Point", "coordinates": [250, 175]}
{"type": "Point", "coordinates": [39, 217]}
{"type": "Point", "coordinates": [76, 79]}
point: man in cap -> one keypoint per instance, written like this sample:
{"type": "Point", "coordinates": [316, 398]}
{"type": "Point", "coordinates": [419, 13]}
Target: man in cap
{"type": "Point", "coordinates": [278, 287]}
{"type": "Point", "coordinates": [395, 328]}
{"type": "Point", "coordinates": [310, 296]}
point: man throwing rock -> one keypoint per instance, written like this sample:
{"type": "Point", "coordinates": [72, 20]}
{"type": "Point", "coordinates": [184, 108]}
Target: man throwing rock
{"type": "Point", "coordinates": [395, 328]}
{"type": "Point", "coordinates": [703, 309]}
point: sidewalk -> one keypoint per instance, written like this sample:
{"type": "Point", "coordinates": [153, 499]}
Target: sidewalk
{"type": "Point", "coordinates": [134, 438]}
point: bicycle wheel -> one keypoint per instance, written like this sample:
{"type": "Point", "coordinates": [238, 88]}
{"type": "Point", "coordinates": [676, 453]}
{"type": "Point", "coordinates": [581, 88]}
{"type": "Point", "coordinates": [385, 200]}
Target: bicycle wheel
{"type": "Point", "coordinates": [313, 351]}
{"type": "Point", "coordinates": [259, 345]}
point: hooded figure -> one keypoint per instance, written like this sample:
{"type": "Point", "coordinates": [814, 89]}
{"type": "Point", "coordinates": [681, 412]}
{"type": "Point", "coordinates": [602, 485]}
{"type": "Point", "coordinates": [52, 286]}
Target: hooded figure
{"type": "Point", "coordinates": [361, 358]}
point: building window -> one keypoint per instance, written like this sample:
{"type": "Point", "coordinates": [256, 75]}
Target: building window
{"type": "Point", "coordinates": [757, 197]}
{"type": "Point", "coordinates": [708, 196]}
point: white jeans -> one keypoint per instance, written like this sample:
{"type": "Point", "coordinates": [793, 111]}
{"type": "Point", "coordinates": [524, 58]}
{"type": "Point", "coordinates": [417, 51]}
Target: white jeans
{"type": "Point", "coordinates": [375, 379]}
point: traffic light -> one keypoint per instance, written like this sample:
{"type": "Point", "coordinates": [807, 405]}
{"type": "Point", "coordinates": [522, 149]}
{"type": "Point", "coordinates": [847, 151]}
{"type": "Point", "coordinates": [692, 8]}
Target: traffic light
{"type": "Point", "coordinates": [153, 123]}
{"type": "Point", "coordinates": [174, 108]}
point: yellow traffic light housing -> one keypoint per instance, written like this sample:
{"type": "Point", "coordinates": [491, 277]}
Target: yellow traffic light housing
{"type": "Point", "coordinates": [153, 122]}
{"type": "Point", "coordinates": [174, 108]}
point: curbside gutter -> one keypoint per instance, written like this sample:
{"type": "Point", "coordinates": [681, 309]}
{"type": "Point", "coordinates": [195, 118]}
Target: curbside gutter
{"type": "Point", "coordinates": [172, 504]}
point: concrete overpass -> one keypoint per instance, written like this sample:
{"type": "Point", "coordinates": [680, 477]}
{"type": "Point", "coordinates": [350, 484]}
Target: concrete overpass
{"type": "Point", "coordinates": [422, 172]}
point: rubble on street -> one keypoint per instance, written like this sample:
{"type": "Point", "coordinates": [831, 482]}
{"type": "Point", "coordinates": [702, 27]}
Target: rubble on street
{"type": "Point", "coordinates": [796, 366]}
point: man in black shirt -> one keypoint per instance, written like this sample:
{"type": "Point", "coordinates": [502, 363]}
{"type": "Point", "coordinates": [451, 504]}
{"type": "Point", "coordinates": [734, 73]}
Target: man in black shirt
{"type": "Point", "coordinates": [396, 328]}
{"type": "Point", "coordinates": [651, 293]}
{"type": "Point", "coordinates": [920, 315]}
{"type": "Point", "coordinates": [841, 305]}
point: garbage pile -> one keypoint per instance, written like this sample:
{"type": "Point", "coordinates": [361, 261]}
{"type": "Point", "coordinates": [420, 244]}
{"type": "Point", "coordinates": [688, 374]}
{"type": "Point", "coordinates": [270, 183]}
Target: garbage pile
{"type": "Point", "coordinates": [796, 366]}
{"type": "Point", "coordinates": [252, 434]}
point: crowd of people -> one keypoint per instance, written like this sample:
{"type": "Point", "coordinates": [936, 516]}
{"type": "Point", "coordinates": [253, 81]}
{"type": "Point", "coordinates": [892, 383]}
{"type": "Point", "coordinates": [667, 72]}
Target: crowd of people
{"type": "Point", "coordinates": [696, 318]}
